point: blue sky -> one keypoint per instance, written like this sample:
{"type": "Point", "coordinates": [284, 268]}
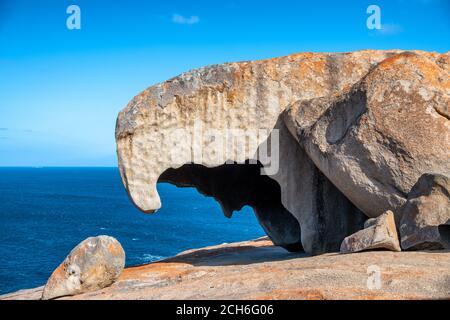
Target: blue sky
{"type": "Point", "coordinates": [61, 89]}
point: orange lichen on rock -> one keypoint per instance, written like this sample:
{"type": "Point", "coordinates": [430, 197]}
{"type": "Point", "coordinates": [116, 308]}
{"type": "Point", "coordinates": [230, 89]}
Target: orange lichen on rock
{"type": "Point", "coordinates": [259, 270]}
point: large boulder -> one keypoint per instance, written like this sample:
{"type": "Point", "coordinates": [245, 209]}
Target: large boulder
{"type": "Point", "coordinates": [425, 222]}
{"type": "Point", "coordinates": [376, 139]}
{"type": "Point", "coordinates": [361, 127]}
{"type": "Point", "coordinates": [93, 264]}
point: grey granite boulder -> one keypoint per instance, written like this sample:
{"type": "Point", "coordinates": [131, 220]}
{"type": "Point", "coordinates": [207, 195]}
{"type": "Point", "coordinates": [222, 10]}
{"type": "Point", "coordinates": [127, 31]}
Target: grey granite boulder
{"type": "Point", "coordinates": [376, 139]}
{"type": "Point", "coordinates": [378, 233]}
{"type": "Point", "coordinates": [425, 220]}
{"type": "Point", "coordinates": [93, 264]}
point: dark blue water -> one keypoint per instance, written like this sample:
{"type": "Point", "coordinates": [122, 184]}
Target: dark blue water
{"type": "Point", "coordinates": [45, 212]}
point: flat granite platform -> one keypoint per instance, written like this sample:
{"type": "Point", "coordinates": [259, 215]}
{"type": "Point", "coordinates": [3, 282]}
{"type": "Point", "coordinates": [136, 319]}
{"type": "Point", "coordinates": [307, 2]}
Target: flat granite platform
{"type": "Point", "coordinates": [258, 270]}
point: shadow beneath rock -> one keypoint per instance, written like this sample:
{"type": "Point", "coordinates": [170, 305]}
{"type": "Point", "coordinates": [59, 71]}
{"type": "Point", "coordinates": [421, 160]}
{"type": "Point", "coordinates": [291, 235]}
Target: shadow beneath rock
{"type": "Point", "coordinates": [240, 255]}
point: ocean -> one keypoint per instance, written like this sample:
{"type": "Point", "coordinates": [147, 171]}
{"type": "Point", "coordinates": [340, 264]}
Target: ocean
{"type": "Point", "coordinates": [45, 212]}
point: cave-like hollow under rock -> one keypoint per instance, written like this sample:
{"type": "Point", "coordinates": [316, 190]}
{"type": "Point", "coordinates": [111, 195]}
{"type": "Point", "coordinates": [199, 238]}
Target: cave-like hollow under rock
{"type": "Point", "coordinates": [237, 185]}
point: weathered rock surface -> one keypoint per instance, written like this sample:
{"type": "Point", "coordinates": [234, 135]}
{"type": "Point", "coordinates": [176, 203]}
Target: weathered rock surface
{"type": "Point", "coordinates": [259, 270]}
{"type": "Point", "coordinates": [93, 264]}
{"type": "Point", "coordinates": [375, 140]}
{"type": "Point", "coordinates": [378, 233]}
{"type": "Point", "coordinates": [425, 220]}
{"type": "Point", "coordinates": [355, 131]}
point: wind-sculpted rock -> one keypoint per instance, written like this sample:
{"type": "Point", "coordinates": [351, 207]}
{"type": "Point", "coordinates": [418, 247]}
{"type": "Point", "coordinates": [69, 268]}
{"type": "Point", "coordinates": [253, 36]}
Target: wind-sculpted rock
{"type": "Point", "coordinates": [93, 264]}
{"type": "Point", "coordinates": [378, 233]}
{"type": "Point", "coordinates": [344, 135]}
{"type": "Point", "coordinates": [425, 220]}
{"type": "Point", "coordinates": [375, 140]}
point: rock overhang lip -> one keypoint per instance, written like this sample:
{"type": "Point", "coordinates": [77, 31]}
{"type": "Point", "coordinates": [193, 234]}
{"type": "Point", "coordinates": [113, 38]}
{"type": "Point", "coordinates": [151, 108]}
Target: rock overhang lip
{"type": "Point", "coordinates": [146, 205]}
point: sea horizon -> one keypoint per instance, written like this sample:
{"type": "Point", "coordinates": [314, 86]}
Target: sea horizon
{"type": "Point", "coordinates": [47, 211]}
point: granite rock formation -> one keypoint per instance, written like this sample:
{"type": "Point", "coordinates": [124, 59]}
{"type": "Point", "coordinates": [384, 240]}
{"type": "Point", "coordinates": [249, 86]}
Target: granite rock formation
{"type": "Point", "coordinates": [93, 264]}
{"type": "Point", "coordinates": [425, 220]}
{"type": "Point", "coordinates": [344, 135]}
{"type": "Point", "coordinates": [259, 270]}
{"type": "Point", "coordinates": [378, 233]}
{"type": "Point", "coordinates": [375, 140]}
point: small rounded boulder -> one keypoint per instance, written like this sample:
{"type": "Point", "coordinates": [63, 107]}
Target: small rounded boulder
{"type": "Point", "coordinates": [93, 264]}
